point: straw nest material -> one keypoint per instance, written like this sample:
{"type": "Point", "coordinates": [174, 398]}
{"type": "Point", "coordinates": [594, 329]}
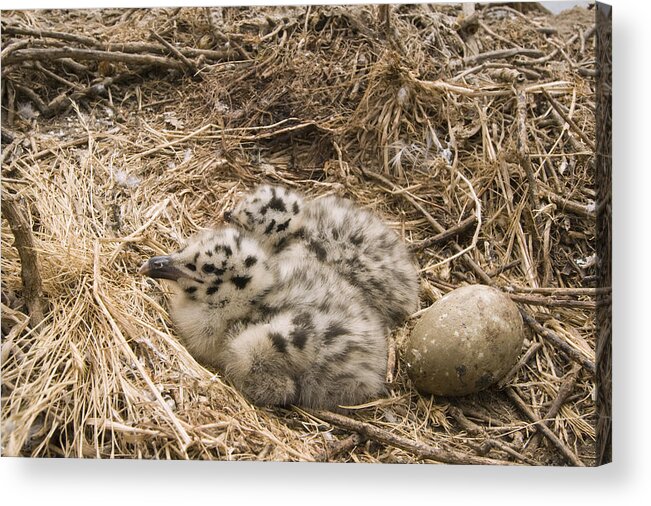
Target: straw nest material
{"type": "Point", "coordinates": [124, 131]}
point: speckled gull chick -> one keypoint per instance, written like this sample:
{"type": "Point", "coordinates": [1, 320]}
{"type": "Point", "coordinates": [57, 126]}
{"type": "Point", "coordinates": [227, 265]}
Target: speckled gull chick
{"type": "Point", "coordinates": [284, 328]}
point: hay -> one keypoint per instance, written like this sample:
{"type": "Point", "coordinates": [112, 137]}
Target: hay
{"type": "Point", "coordinates": [470, 133]}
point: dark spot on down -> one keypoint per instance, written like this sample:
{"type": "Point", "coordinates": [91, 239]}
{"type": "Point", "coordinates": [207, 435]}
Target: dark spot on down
{"type": "Point", "coordinates": [267, 311]}
{"type": "Point", "coordinates": [226, 249]}
{"type": "Point", "coordinates": [335, 329]}
{"type": "Point", "coordinates": [211, 269]}
{"type": "Point", "coordinates": [219, 304]}
{"type": "Point", "coordinates": [299, 337]}
{"type": "Point", "coordinates": [191, 266]}
{"type": "Point", "coordinates": [348, 349]}
{"type": "Point", "coordinates": [303, 327]}
{"type": "Point", "coordinates": [241, 281]}
{"type": "Point", "coordinates": [281, 244]}
{"type": "Point", "coordinates": [356, 239]}
{"type": "Point", "coordinates": [277, 204]}
{"type": "Point", "coordinates": [278, 342]}
{"type": "Point", "coordinates": [302, 319]}
{"type": "Point", "coordinates": [270, 227]}
{"type": "Point", "coordinates": [283, 226]}
{"type": "Point", "coordinates": [250, 261]}
{"type": "Point", "coordinates": [190, 289]}
{"type": "Point", "coordinates": [295, 208]}
{"type": "Point", "coordinates": [396, 315]}
{"type": "Point", "coordinates": [319, 250]}
{"type": "Point", "coordinates": [214, 287]}
{"type": "Point", "coordinates": [377, 285]}
{"type": "Point", "coordinates": [325, 307]}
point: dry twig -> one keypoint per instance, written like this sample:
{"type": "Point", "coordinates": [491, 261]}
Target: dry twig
{"type": "Point", "coordinates": [421, 450]}
{"type": "Point", "coordinates": [29, 272]}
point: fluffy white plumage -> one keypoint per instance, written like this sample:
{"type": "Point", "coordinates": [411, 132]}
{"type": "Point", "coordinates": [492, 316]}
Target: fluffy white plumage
{"type": "Point", "coordinates": [283, 327]}
{"type": "Point", "coordinates": [336, 232]}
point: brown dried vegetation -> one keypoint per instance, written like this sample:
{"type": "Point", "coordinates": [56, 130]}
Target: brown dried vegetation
{"type": "Point", "coordinates": [124, 131]}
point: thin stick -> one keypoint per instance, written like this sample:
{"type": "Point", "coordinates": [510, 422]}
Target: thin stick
{"type": "Point", "coordinates": [421, 450]}
{"type": "Point", "coordinates": [126, 47]}
{"type": "Point", "coordinates": [170, 144]}
{"type": "Point", "coordinates": [217, 32]}
{"type": "Point", "coordinates": [378, 177]}
{"type": "Point", "coordinates": [475, 430]}
{"type": "Point", "coordinates": [523, 154]}
{"type": "Point", "coordinates": [342, 446]}
{"type": "Point", "coordinates": [190, 65]}
{"type": "Point", "coordinates": [91, 54]}
{"type": "Point", "coordinates": [503, 268]}
{"type": "Point", "coordinates": [447, 234]}
{"type": "Point", "coordinates": [588, 292]}
{"type": "Point", "coordinates": [190, 52]}
{"type": "Point", "coordinates": [73, 143]}
{"type": "Point", "coordinates": [551, 302]}
{"type": "Point", "coordinates": [29, 271]}
{"type": "Point", "coordinates": [563, 392]}
{"type": "Point", "coordinates": [570, 121]}
{"type": "Point", "coordinates": [542, 428]}
{"type": "Point", "coordinates": [13, 47]}
{"type": "Point", "coordinates": [33, 96]}
{"type": "Point", "coordinates": [571, 206]}
{"type": "Point", "coordinates": [502, 53]}
{"type": "Point", "coordinates": [64, 100]}
{"type": "Point", "coordinates": [50, 34]}
{"type": "Point", "coordinates": [57, 77]}
{"type": "Point", "coordinates": [497, 36]}
{"type": "Point", "coordinates": [557, 341]}
{"type": "Point", "coordinates": [475, 236]}
{"type": "Point", "coordinates": [523, 360]}
{"type": "Point", "coordinates": [443, 86]}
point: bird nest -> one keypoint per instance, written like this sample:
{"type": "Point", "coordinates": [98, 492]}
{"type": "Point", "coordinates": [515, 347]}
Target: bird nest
{"type": "Point", "coordinates": [471, 132]}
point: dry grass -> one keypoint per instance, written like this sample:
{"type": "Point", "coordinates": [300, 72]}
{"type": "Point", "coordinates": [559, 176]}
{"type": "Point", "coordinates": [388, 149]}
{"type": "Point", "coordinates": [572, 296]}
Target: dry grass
{"type": "Point", "coordinates": [315, 98]}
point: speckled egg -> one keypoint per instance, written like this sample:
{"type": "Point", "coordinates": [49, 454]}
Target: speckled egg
{"type": "Point", "coordinates": [464, 342]}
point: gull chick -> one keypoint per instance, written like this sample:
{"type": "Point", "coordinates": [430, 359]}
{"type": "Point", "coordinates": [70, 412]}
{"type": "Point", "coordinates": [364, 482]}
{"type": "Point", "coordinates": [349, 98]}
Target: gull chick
{"type": "Point", "coordinates": [355, 242]}
{"type": "Point", "coordinates": [283, 328]}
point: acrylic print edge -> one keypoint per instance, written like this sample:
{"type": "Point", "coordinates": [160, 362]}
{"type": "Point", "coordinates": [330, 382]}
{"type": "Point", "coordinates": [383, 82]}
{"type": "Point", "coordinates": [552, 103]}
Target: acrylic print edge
{"type": "Point", "coordinates": [604, 231]}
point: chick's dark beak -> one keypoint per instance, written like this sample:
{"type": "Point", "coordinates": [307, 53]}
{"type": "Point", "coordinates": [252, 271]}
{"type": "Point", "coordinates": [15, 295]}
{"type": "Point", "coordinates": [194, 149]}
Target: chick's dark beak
{"type": "Point", "coordinates": [161, 267]}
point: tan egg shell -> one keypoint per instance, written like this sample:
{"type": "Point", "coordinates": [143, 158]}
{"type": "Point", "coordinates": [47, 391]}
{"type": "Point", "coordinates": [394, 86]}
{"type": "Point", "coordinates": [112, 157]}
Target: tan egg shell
{"type": "Point", "coordinates": [464, 342]}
